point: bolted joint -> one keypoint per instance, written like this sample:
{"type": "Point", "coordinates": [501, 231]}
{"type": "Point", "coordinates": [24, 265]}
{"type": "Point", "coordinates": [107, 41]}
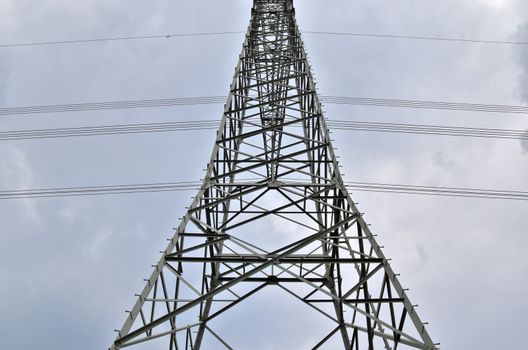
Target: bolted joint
{"type": "Point", "coordinates": [274, 184]}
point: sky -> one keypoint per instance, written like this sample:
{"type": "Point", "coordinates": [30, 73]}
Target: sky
{"type": "Point", "coordinates": [69, 267]}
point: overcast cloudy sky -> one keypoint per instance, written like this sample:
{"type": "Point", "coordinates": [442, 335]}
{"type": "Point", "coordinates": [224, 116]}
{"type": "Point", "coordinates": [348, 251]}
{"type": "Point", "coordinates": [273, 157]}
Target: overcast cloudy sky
{"type": "Point", "coordinates": [69, 267]}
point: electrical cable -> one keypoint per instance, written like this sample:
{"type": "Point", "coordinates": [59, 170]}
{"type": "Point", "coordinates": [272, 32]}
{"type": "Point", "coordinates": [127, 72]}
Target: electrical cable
{"type": "Point", "coordinates": [194, 185]}
{"type": "Point", "coordinates": [108, 130]}
{"type": "Point", "coordinates": [438, 190]}
{"type": "Point", "coordinates": [425, 104]}
{"type": "Point", "coordinates": [176, 35]}
{"type": "Point", "coordinates": [140, 37]}
{"type": "Point", "coordinates": [417, 37]}
{"type": "Point", "coordinates": [422, 129]}
{"type": "Point", "coordinates": [98, 190]}
{"type": "Point", "coordinates": [93, 106]}
{"type": "Point", "coordinates": [190, 125]}
{"type": "Point", "coordinates": [204, 100]}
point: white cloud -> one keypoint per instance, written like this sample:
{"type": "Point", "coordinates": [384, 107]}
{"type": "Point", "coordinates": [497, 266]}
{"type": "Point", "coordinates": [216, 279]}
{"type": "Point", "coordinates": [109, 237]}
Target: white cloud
{"type": "Point", "coordinates": [16, 173]}
{"type": "Point", "coordinates": [95, 247]}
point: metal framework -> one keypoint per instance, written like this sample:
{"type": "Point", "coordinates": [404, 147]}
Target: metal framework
{"type": "Point", "coordinates": [273, 213]}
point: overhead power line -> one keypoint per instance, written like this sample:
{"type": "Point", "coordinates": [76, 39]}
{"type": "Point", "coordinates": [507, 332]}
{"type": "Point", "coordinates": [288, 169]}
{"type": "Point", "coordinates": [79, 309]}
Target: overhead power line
{"type": "Point", "coordinates": [347, 125]}
{"type": "Point", "coordinates": [204, 100]}
{"type": "Point", "coordinates": [438, 190]}
{"type": "Point", "coordinates": [425, 104]}
{"type": "Point", "coordinates": [119, 38]}
{"type": "Point", "coordinates": [98, 190]}
{"type": "Point", "coordinates": [418, 37]}
{"type": "Point", "coordinates": [109, 130]}
{"type": "Point", "coordinates": [193, 185]}
{"type": "Point", "coordinates": [94, 106]}
{"type": "Point", "coordinates": [180, 35]}
{"type": "Point", "coordinates": [427, 129]}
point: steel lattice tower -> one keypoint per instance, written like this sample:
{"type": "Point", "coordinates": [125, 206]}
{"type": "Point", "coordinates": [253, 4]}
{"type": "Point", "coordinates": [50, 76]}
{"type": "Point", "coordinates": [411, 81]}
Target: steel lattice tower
{"type": "Point", "coordinates": [273, 169]}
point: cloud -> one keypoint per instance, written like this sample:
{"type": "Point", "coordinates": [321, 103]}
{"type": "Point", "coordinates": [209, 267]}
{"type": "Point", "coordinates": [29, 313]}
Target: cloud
{"type": "Point", "coordinates": [97, 249]}
{"type": "Point", "coordinates": [16, 173]}
{"type": "Point", "coordinates": [522, 57]}
{"type": "Point", "coordinates": [522, 35]}
{"type": "Point", "coordinates": [524, 143]}
{"type": "Point", "coordinates": [422, 254]}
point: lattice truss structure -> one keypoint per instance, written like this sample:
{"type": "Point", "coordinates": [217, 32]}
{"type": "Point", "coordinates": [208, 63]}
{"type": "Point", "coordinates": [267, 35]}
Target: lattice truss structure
{"type": "Point", "coordinates": [273, 213]}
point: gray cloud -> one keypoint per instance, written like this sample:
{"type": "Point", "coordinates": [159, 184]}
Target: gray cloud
{"type": "Point", "coordinates": [524, 143]}
{"type": "Point", "coordinates": [69, 276]}
{"type": "Point", "coordinates": [522, 35]}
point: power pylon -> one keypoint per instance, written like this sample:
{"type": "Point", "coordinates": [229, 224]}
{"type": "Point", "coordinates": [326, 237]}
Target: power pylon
{"type": "Point", "coordinates": [273, 212]}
